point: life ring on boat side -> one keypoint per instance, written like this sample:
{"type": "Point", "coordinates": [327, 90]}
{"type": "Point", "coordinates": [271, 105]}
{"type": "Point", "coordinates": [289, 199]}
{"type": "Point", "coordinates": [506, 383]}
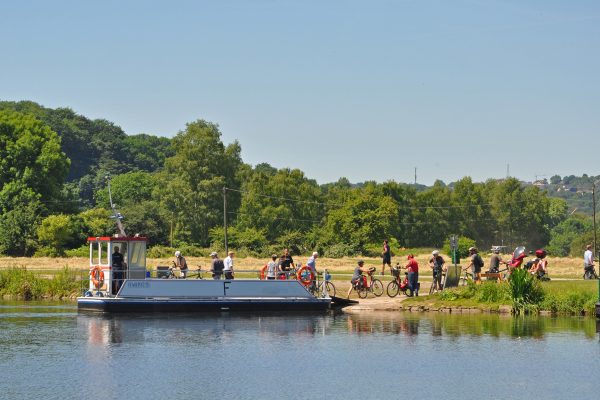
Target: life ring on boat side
{"type": "Point", "coordinates": [263, 273]}
{"type": "Point", "coordinates": [97, 276]}
{"type": "Point", "coordinates": [306, 275]}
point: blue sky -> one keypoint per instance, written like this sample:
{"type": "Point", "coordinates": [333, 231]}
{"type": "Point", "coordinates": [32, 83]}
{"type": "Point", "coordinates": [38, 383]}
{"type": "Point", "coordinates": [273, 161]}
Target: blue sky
{"type": "Point", "coordinates": [368, 90]}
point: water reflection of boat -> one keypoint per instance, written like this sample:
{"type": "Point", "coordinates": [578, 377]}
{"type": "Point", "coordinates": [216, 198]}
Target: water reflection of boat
{"type": "Point", "coordinates": [131, 290]}
{"type": "Point", "coordinates": [110, 329]}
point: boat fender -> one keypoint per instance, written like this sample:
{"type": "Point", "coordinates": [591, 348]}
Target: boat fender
{"type": "Point", "coordinates": [263, 273]}
{"type": "Point", "coordinates": [97, 276]}
{"type": "Point", "coordinates": [306, 275]}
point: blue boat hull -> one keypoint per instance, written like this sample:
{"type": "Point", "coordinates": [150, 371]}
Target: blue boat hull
{"type": "Point", "coordinates": [116, 305]}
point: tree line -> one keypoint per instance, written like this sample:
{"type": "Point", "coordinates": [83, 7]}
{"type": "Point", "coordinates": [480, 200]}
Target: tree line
{"type": "Point", "coordinates": [53, 164]}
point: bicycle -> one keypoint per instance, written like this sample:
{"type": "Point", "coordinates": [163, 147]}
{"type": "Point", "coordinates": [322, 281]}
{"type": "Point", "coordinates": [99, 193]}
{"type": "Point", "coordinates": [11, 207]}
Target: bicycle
{"type": "Point", "coordinates": [199, 274]}
{"type": "Point", "coordinates": [396, 286]}
{"type": "Point", "coordinates": [373, 285]}
{"type": "Point", "coordinates": [315, 287]}
{"type": "Point", "coordinates": [589, 272]}
{"type": "Point", "coordinates": [325, 284]}
{"type": "Point", "coordinates": [432, 288]}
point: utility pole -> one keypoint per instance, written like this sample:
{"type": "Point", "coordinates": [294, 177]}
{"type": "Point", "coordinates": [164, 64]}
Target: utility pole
{"type": "Point", "coordinates": [594, 217]}
{"type": "Point", "coordinates": [225, 217]}
{"type": "Point", "coordinates": [595, 243]}
{"type": "Point", "coordinates": [415, 176]}
{"type": "Point", "coordinates": [507, 171]}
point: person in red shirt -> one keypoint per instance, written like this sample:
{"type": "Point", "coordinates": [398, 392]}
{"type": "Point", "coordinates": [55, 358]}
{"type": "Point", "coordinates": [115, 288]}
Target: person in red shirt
{"type": "Point", "coordinates": [413, 275]}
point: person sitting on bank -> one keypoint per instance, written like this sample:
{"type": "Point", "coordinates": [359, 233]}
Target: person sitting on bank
{"type": "Point", "coordinates": [118, 267]}
{"type": "Point", "coordinates": [357, 276]}
{"type": "Point", "coordinates": [272, 268]}
{"type": "Point", "coordinates": [228, 265]}
{"type": "Point", "coordinates": [216, 266]}
{"type": "Point", "coordinates": [539, 268]}
{"type": "Point", "coordinates": [181, 264]}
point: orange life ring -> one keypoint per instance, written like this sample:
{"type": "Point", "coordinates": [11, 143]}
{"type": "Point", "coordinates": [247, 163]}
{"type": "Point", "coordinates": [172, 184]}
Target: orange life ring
{"type": "Point", "coordinates": [263, 272]}
{"type": "Point", "coordinates": [97, 276]}
{"type": "Point", "coordinates": [305, 275]}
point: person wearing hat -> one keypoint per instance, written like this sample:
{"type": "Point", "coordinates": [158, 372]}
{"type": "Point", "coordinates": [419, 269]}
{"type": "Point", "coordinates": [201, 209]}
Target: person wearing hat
{"type": "Point", "coordinates": [476, 263]}
{"type": "Point", "coordinates": [437, 263]}
{"type": "Point", "coordinates": [181, 264]}
{"type": "Point", "coordinates": [360, 268]}
{"type": "Point", "coordinates": [272, 268]}
{"type": "Point", "coordinates": [496, 260]}
{"type": "Point", "coordinates": [228, 265]}
{"type": "Point", "coordinates": [216, 266]}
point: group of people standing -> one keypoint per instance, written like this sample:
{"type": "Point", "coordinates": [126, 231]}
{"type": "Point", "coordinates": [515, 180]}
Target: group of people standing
{"type": "Point", "coordinates": [219, 267]}
{"type": "Point", "coordinates": [283, 265]}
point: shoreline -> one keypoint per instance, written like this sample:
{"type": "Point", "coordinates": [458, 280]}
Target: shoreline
{"type": "Point", "coordinates": [374, 305]}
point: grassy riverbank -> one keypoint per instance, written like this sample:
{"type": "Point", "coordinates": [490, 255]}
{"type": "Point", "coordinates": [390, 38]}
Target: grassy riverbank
{"type": "Point", "coordinates": [557, 297]}
{"type": "Point", "coordinates": [18, 282]}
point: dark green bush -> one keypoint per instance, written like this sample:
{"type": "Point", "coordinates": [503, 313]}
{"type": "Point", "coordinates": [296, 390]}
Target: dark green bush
{"type": "Point", "coordinates": [339, 250]}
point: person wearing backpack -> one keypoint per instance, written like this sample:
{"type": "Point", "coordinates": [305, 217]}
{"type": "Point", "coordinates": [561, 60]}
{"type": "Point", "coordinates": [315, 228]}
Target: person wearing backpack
{"type": "Point", "coordinates": [216, 266]}
{"type": "Point", "coordinates": [476, 264]}
{"type": "Point", "coordinates": [437, 265]}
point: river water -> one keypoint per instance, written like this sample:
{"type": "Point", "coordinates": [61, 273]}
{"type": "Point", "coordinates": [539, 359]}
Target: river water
{"type": "Point", "coordinates": [49, 351]}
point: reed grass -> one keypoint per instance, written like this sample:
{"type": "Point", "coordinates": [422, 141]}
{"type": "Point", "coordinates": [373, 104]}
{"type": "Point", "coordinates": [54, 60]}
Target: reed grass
{"type": "Point", "coordinates": [556, 297]}
{"type": "Point", "coordinates": [24, 284]}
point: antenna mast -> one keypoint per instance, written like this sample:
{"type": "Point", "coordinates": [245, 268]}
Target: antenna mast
{"type": "Point", "coordinates": [116, 214]}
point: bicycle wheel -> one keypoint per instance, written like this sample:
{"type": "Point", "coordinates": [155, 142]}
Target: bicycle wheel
{"type": "Point", "coordinates": [330, 288]}
{"type": "Point", "coordinates": [392, 289]}
{"type": "Point", "coordinates": [362, 292]}
{"type": "Point", "coordinates": [377, 287]}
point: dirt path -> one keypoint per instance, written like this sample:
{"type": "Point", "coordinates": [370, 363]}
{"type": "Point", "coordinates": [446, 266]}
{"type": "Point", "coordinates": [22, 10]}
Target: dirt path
{"type": "Point", "coordinates": [341, 268]}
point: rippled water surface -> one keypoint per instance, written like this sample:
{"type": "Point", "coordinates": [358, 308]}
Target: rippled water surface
{"type": "Point", "coordinates": [49, 351]}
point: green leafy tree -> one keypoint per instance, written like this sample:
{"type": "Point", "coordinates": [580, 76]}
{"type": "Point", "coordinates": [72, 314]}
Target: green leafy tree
{"type": "Point", "coordinates": [30, 153]}
{"type": "Point", "coordinates": [96, 222]}
{"type": "Point", "coordinates": [472, 213]}
{"type": "Point", "coordinates": [279, 202]}
{"type": "Point", "coordinates": [20, 213]}
{"type": "Point", "coordinates": [149, 152]}
{"type": "Point", "coordinates": [564, 234]}
{"type": "Point", "coordinates": [365, 218]}
{"type": "Point", "coordinates": [128, 188]}
{"type": "Point", "coordinates": [192, 182]}
{"type": "Point", "coordinates": [147, 218]}
{"type": "Point", "coordinates": [56, 232]}
{"type": "Point", "coordinates": [32, 170]}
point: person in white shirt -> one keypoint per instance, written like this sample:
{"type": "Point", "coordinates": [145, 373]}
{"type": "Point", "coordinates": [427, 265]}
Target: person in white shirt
{"type": "Point", "coordinates": [272, 267]}
{"type": "Point", "coordinates": [588, 263]}
{"type": "Point", "coordinates": [228, 262]}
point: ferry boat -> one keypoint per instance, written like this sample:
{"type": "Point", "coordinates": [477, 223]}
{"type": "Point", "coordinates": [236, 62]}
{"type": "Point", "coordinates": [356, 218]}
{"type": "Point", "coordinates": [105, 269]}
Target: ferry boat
{"type": "Point", "coordinates": [132, 289]}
